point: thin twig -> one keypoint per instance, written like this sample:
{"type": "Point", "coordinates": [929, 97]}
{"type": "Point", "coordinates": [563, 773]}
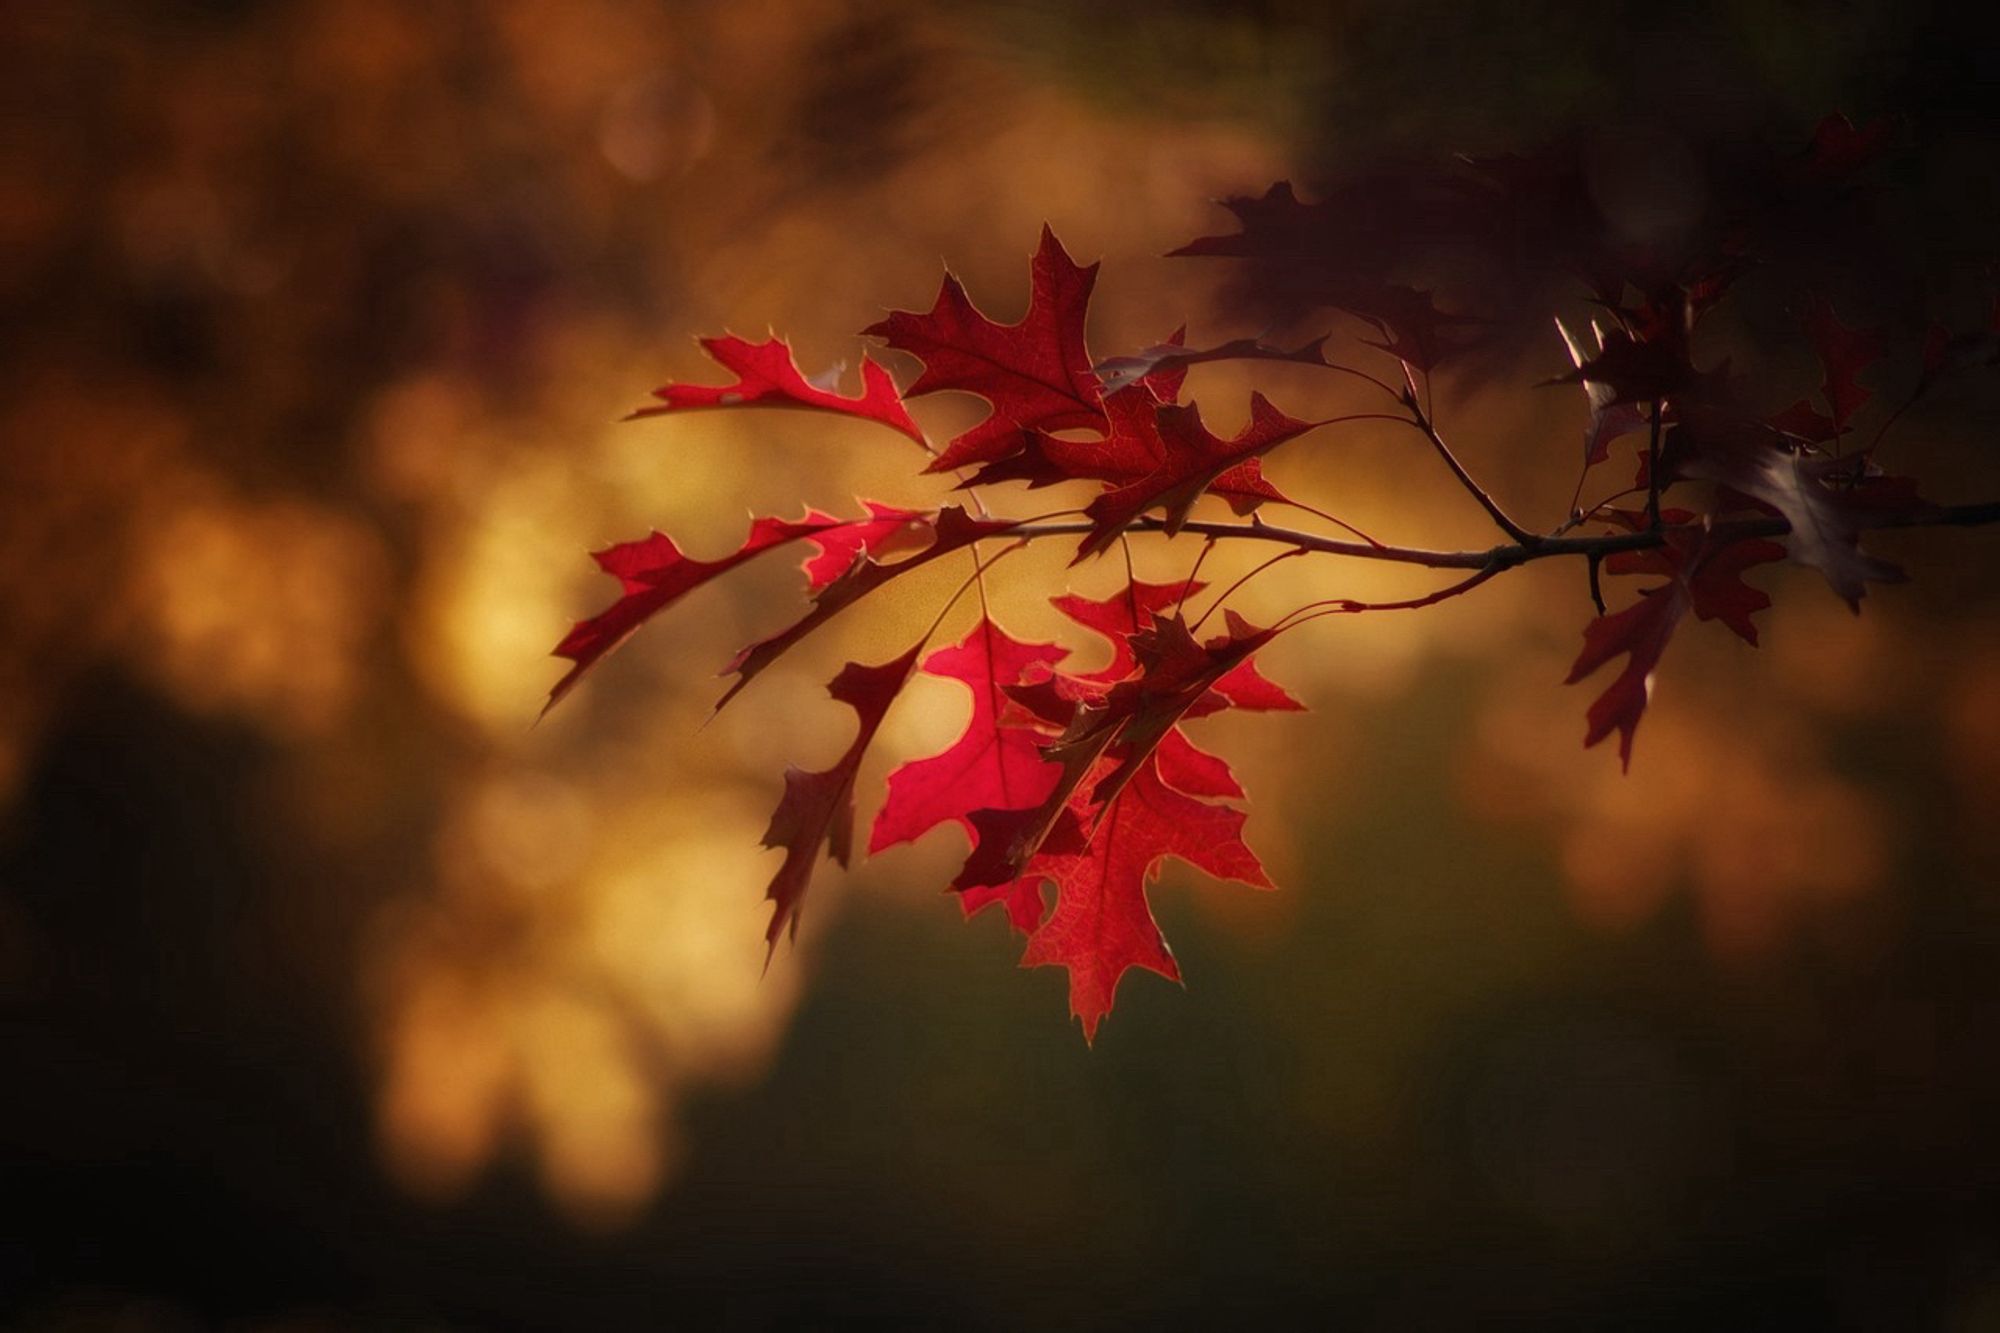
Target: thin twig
{"type": "Point", "coordinates": [1422, 421]}
{"type": "Point", "coordinates": [1230, 591]}
{"type": "Point", "coordinates": [1381, 384]}
{"type": "Point", "coordinates": [1188, 584]}
{"type": "Point", "coordinates": [1653, 471]}
{"type": "Point", "coordinates": [1338, 606]}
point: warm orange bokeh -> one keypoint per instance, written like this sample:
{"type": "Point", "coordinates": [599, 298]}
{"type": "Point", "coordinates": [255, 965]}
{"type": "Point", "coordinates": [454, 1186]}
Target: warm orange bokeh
{"type": "Point", "coordinates": [369, 571]}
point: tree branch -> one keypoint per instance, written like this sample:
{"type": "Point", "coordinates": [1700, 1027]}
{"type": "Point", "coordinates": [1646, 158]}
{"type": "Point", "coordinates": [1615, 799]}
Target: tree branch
{"type": "Point", "coordinates": [1510, 554]}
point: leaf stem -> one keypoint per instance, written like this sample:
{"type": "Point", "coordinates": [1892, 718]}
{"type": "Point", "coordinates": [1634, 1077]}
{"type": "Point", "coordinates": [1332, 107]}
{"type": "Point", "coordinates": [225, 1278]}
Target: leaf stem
{"type": "Point", "coordinates": [1337, 606]}
{"type": "Point", "coordinates": [1230, 591]}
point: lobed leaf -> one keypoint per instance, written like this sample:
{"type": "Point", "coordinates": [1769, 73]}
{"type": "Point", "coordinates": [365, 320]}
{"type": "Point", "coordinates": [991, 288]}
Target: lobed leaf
{"type": "Point", "coordinates": [1035, 374]}
{"type": "Point", "coordinates": [818, 807]}
{"type": "Point", "coordinates": [768, 376]}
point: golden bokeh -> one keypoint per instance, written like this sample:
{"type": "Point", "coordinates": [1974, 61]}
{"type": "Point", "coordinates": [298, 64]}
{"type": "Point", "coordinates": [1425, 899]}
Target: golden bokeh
{"type": "Point", "coordinates": [365, 558]}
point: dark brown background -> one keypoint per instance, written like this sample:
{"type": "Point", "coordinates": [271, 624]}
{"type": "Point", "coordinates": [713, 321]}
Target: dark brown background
{"type": "Point", "coordinates": [332, 995]}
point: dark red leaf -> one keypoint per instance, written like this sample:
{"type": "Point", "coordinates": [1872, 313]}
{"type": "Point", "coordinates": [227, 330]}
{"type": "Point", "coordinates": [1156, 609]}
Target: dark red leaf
{"type": "Point", "coordinates": [1413, 329]}
{"type": "Point", "coordinates": [1118, 373]}
{"type": "Point", "coordinates": [1193, 771]}
{"type": "Point", "coordinates": [654, 574]}
{"type": "Point", "coordinates": [1712, 569]}
{"type": "Point", "coordinates": [1244, 687]}
{"type": "Point", "coordinates": [1020, 898]}
{"type": "Point", "coordinates": [955, 530]}
{"type": "Point", "coordinates": [1821, 500]}
{"type": "Point", "coordinates": [1164, 379]}
{"type": "Point", "coordinates": [1301, 244]}
{"type": "Point", "coordinates": [1102, 925]}
{"type": "Point", "coordinates": [991, 764]}
{"type": "Point", "coordinates": [1005, 840]}
{"type": "Point", "coordinates": [887, 530]}
{"type": "Point", "coordinates": [1118, 617]}
{"type": "Point", "coordinates": [1121, 715]}
{"type": "Point", "coordinates": [1194, 460]}
{"type": "Point", "coordinates": [1609, 418]}
{"type": "Point", "coordinates": [1036, 374]}
{"type": "Point", "coordinates": [1176, 677]}
{"type": "Point", "coordinates": [1704, 574]}
{"type": "Point", "coordinates": [1275, 224]}
{"type": "Point", "coordinates": [767, 376]}
{"type": "Point", "coordinates": [1844, 353]}
{"type": "Point", "coordinates": [1627, 370]}
{"type": "Point", "coordinates": [1133, 450]}
{"type": "Point", "coordinates": [818, 807]}
{"type": "Point", "coordinates": [1641, 632]}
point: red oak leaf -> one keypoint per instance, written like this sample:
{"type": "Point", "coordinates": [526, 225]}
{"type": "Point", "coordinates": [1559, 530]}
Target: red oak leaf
{"type": "Point", "coordinates": [991, 764]}
{"type": "Point", "coordinates": [1005, 840]}
{"type": "Point", "coordinates": [1844, 353]}
{"type": "Point", "coordinates": [1164, 379]}
{"type": "Point", "coordinates": [1641, 631]}
{"type": "Point", "coordinates": [1704, 575]}
{"type": "Point", "coordinates": [1177, 678]}
{"type": "Point", "coordinates": [1071, 703]}
{"type": "Point", "coordinates": [953, 531]}
{"type": "Point", "coordinates": [818, 807]}
{"type": "Point", "coordinates": [768, 376]}
{"type": "Point", "coordinates": [1189, 769]}
{"type": "Point", "coordinates": [1035, 374]}
{"type": "Point", "coordinates": [1020, 898]}
{"type": "Point", "coordinates": [1713, 570]}
{"type": "Point", "coordinates": [1823, 500]}
{"type": "Point", "coordinates": [1132, 609]}
{"type": "Point", "coordinates": [1102, 925]}
{"type": "Point", "coordinates": [1118, 373]}
{"type": "Point", "coordinates": [1303, 245]}
{"type": "Point", "coordinates": [1134, 448]}
{"type": "Point", "coordinates": [1128, 449]}
{"type": "Point", "coordinates": [1632, 370]}
{"type": "Point", "coordinates": [1003, 749]}
{"type": "Point", "coordinates": [1413, 329]}
{"type": "Point", "coordinates": [1194, 460]}
{"type": "Point", "coordinates": [1159, 674]}
{"type": "Point", "coordinates": [1244, 687]}
{"type": "Point", "coordinates": [654, 574]}
{"type": "Point", "coordinates": [886, 531]}
{"type": "Point", "coordinates": [1274, 224]}
{"type": "Point", "coordinates": [1609, 418]}
{"type": "Point", "coordinates": [1716, 590]}
{"type": "Point", "coordinates": [1117, 618]}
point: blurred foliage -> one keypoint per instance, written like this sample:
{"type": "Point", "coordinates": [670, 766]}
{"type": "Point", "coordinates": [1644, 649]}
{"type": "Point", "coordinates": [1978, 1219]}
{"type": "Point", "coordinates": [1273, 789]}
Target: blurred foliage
{"type": "Point", "coordinates": [333, 994]}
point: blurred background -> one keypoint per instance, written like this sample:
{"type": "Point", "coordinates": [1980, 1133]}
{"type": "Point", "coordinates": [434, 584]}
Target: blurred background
{"type": "Point", "coordinates": [333, 994]}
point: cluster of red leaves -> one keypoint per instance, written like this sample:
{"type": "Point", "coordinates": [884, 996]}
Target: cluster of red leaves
{"type": "Point", "coordinates": [1079, 781]}
{"type": "Point", "coordinates": [1072, 788]}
